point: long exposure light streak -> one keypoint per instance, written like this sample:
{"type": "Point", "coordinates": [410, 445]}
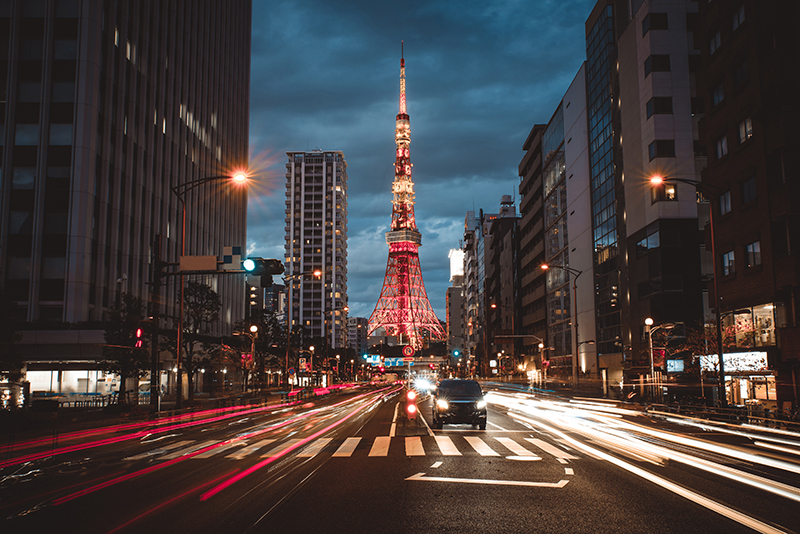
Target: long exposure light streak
{"type": "Point", "coordinates": [283, 452]}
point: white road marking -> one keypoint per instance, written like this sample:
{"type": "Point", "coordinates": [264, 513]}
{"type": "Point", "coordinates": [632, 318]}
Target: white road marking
{"type": "Point", "coordinates": [280, 448]}
{"type": "Point", "coordinates": [568, 471]}
{"type": "Point", "coordinates": [188, 450]}
{"type": "Point", "coordinates": [516, 448]}
{"type": "Point", "coordinates": [559, 484]}
{"type": "Point", "coordinates": [381, 446]}
{"type": "Point", "coordinates": [315, 448]}
{"type": "Point", "coordinates": [155, 452]}
{"type": "Point", "coordinates": [480, 447]}
{"type": "Point", "coordinates": [217, 450]}
{"type": "Point", "coordinates": [446, 446]}
{"type": "Point", "coordinates": [414, 446]}
{"type": "Point", "coordinates": [436, 465]}
{"type": "Point", "coordinates": [250, 449]}
{"type": "Point", "coordinates": [347, 447]}
{"type": "Point", "coordinates": [551, 449]}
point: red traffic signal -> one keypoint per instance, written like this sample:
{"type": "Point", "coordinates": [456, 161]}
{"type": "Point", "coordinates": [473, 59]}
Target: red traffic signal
{"type": "Point", "coordinates": [432, 365]}
{"type": "Point", "coordinates": [411, 404]}
{"type": "Point", "coordinates": [138, 343]}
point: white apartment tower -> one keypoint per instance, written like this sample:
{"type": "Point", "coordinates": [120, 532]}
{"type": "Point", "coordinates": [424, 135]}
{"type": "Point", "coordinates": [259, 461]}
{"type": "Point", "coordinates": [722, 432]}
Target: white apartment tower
{"type": "Point", "coordinates": [316, 239]}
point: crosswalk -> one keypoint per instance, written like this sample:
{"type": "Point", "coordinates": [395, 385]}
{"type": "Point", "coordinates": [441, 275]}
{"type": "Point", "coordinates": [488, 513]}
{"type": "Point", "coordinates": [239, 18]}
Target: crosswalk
{"type": "Point", "coordinates": [382, 446]}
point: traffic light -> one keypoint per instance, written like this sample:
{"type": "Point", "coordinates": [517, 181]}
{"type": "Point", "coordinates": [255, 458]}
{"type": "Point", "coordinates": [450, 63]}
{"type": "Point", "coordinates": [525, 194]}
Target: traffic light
{"type": "Point", "coordinates": [432, 365]}
{"type": "Point", "coordinates": [264, 268]}
{"type": "Point", "coordinates": [139, 333]}
{"type": "Point", "coordinates": [411, 404]}
{"type": "Point", "coordinates": [456, 353]}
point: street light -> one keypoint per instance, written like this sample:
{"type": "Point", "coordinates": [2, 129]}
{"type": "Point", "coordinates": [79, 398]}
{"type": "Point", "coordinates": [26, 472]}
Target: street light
{"type": "Point", "coordinates": [180, 190]}
{"type": "Point", "coordinates": [576, 274]}
{"type": "Point", "coordinates": [286, 279]}
{"type": "Point", "coordinates": [713, 193]}
{"type": "Point", "coordinates": [650, 329]}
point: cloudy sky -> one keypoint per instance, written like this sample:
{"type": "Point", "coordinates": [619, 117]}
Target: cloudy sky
{"type": "Point", "coordinates": [479, 75]}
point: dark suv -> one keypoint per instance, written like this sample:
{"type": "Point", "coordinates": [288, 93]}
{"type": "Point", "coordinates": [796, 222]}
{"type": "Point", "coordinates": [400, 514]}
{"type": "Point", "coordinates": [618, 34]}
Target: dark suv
{"type": "Point", "coordinates": [459, 401]}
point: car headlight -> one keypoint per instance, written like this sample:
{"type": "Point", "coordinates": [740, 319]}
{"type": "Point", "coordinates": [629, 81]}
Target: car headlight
{"type": "Point", "coordinates": [481, 404]}
{"type": "Point", "coordinates": [441, 404]}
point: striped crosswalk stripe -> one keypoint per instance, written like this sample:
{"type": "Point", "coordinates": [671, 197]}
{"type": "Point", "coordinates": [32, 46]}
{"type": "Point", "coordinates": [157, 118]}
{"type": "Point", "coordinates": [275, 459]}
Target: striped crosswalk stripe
{"type": "Point", "coordinates": [315, 448]}
{"type": "Point", "coordinates": [446, 446]}
{"type": "Point", "coordinates": [480, 446]}
{"type": "Point", "coordinates": [280, 448]}
{"type": "Point", "coordinates": [217, 450]}
{"type": "Point", "coordinates": [187, 450]}
{"type": "Point", "coordinates": [551, 449]}
{"type": "Point", "coordinates": [381, 446]}
{"type": "Point", "coordinates": [347, 447]}
{"type": "Point", "coordinates": [414, 446]}
{"type": "Point", "coordinates": [516, 448]}
{"type": "Point", "coordinates": [158, 451]}
{"type": "Point", "coordinates": [249, 449]}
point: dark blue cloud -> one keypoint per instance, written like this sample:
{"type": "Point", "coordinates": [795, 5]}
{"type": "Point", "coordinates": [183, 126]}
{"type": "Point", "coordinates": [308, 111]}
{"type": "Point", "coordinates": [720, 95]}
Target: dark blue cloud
{"type": "Point", "coordinates": [479, 75]}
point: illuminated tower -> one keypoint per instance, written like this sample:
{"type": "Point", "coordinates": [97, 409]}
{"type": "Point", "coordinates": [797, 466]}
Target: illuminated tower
{"type": "Point", "coordinates": [403, 309]}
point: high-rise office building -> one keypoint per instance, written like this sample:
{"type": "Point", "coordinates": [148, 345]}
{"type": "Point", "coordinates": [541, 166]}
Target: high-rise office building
{"type": "Point", "coordinates": [106, 107]}
{"type": "Point", "coordinates": [316, 239]}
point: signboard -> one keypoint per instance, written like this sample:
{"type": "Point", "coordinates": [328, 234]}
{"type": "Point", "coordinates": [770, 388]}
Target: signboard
{"type": "Point", "coordinates": [736, 362]}
{"type": "Point", "coordinates": [302, 364]}
{"type": "Point", "coordinates": [391, 362]}
{"type": "Point", "coordinates": [408, 359]}
{"type": "Point", "coordinates": [674, 366]}
{"type": "Point", "coordinates": [408, 351]}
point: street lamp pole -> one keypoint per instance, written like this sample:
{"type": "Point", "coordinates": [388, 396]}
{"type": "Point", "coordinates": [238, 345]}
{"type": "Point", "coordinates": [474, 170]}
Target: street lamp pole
{"type": "Point", "coordinates": [180, 190]}
{"type": "Point", "coordinates": [576, 274]}
{"type": "Point", "coordinates": [713, 192]}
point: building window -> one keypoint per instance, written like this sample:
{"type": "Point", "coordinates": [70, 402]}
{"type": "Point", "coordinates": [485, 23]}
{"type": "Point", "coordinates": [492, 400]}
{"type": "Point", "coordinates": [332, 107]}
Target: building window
{"type": "Point", "coordinates": [718, 96]}
{"type": "Point", "coordinates": [738, 17]}
{"type": "Point", "coordinates": [647, 244]}
{"type": "Point", "coordinates": [656, 63]}
{"type": "Point", "coordinates": [714, 44]}
{"type": "Point", "coordinates": [745, 130]}
{"type": "Point", "coordinates": [753, 254]}
{"type": "Point", "coordinates": [749, 190]}
{"type": "Point", "coordinates": [721, 148]}
{"type": "Point", "coordinates": [741, 74]}
{"type": "Point", "coordinates": [725, 203]}
{"type": "Point", "coordinates": [664, 191]}
{"type": "Point", "coordinates": [654, 21]}
{"type": "Point", "coordinates": [662, 148]}
{"type": "Point", "coordinates": [728, 267]}
{"type": "Point", "coordinates": [659, 105]}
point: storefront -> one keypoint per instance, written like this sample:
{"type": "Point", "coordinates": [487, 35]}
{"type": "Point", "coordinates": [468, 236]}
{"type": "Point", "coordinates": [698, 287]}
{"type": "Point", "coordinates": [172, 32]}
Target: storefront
{"type": "Point", "coordinates": [748, 379]}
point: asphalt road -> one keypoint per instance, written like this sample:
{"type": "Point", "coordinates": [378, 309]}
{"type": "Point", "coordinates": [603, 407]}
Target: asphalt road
{"type": "Point", "coordinates": [351, 463]}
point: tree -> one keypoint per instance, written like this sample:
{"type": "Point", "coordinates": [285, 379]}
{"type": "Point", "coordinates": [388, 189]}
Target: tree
{"type": "Point", "coordinates": [121, 356]}
{"type": "Point", "coordinates": [200, 311]}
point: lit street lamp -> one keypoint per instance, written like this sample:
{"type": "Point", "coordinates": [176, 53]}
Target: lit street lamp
{"type": "Point", "coordinates": [576, 274]}
{"type": "Point", "coordinates": [180, 190]}
{"type": "Point", "coordinates": [713, 193]}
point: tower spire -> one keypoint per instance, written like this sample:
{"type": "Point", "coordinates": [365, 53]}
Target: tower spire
{"type": "Point", "coordinates": [403, 309]}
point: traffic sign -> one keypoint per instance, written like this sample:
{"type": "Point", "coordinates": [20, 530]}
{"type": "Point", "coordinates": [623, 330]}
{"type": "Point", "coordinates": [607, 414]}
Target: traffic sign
{"type": "Point", "coordinates": [408, 351]}
{"type": "Point", "coordinates": [291, 371]}
{"type": "Point", "coordinates": [408, 359]}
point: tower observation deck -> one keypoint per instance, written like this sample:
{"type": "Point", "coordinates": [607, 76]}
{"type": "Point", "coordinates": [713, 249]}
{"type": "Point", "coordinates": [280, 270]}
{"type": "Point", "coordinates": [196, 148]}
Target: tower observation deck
{"type": "Point", "coordinates": [403, 309]}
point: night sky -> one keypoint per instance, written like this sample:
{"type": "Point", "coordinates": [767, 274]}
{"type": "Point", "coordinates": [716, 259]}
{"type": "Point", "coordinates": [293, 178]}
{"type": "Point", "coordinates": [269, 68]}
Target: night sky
{"type": "Point", "coordinates": [479, 75]}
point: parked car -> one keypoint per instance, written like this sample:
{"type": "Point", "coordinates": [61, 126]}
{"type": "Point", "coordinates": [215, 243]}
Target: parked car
{"type": "Point", "coordinates": [459, 402]}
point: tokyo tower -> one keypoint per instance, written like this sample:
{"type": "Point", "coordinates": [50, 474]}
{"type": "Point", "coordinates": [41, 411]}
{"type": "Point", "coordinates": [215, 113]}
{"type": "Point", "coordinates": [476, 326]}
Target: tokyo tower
{"type": "Point", "coordinates": [403, 309]}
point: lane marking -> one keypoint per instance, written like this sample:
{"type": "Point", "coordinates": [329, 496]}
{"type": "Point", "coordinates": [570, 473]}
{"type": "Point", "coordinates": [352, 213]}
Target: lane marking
{"type": "Point", "coordinates": [280, 448]}
{"type": "Point", "coordinates": [250, 449]}
{"type": "Point", "coordinates": [517, 449]}
{"type": "Point", "coordinates": [436, 465]}
{"type": "Point", "coordinates": [480, 447]}
{"type": "Point", "coordinates": [347, 447]}
{"type": "Point", "coordinates": [315, 448]}
{"type": "Point", "coordinates": [447, 446]}
{"type": "Point", "coordinates": [568, 471]}
{"type": "Point", "coordinates": [551, 449]}
{"type": "Point", "coordinates": [188, 450]}
{"type": "Point", "coordinates": [414, 446]}
{"type": "Point", "coordinates": [159, 450]}
{"type": "Point", "coordinates": [393, 428]}
{"type": "Point", "coordinates": [218, 450]}
{"type": "Point", "coordinates": [559, 484]}
{"type": "Point", "coordinates": [381, 446]}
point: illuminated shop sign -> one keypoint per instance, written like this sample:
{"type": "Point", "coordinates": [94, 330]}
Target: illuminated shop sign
{"type": "Point", "coordinates": [736, 362]}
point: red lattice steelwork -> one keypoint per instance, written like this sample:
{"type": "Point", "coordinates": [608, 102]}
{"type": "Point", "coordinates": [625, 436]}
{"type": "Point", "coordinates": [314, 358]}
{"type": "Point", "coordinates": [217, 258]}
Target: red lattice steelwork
{"type": "Point", "coordinates": [403, 309]}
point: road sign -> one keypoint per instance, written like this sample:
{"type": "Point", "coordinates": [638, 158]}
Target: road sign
{"type": "Point", "coordinates": [408, 351]}
{"type": "Point", "coordinates": [302, 364]}
{"type": "Point", "coordinates": [291, 371]}
{"type": "Point", "coordinates": [408, 359]}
